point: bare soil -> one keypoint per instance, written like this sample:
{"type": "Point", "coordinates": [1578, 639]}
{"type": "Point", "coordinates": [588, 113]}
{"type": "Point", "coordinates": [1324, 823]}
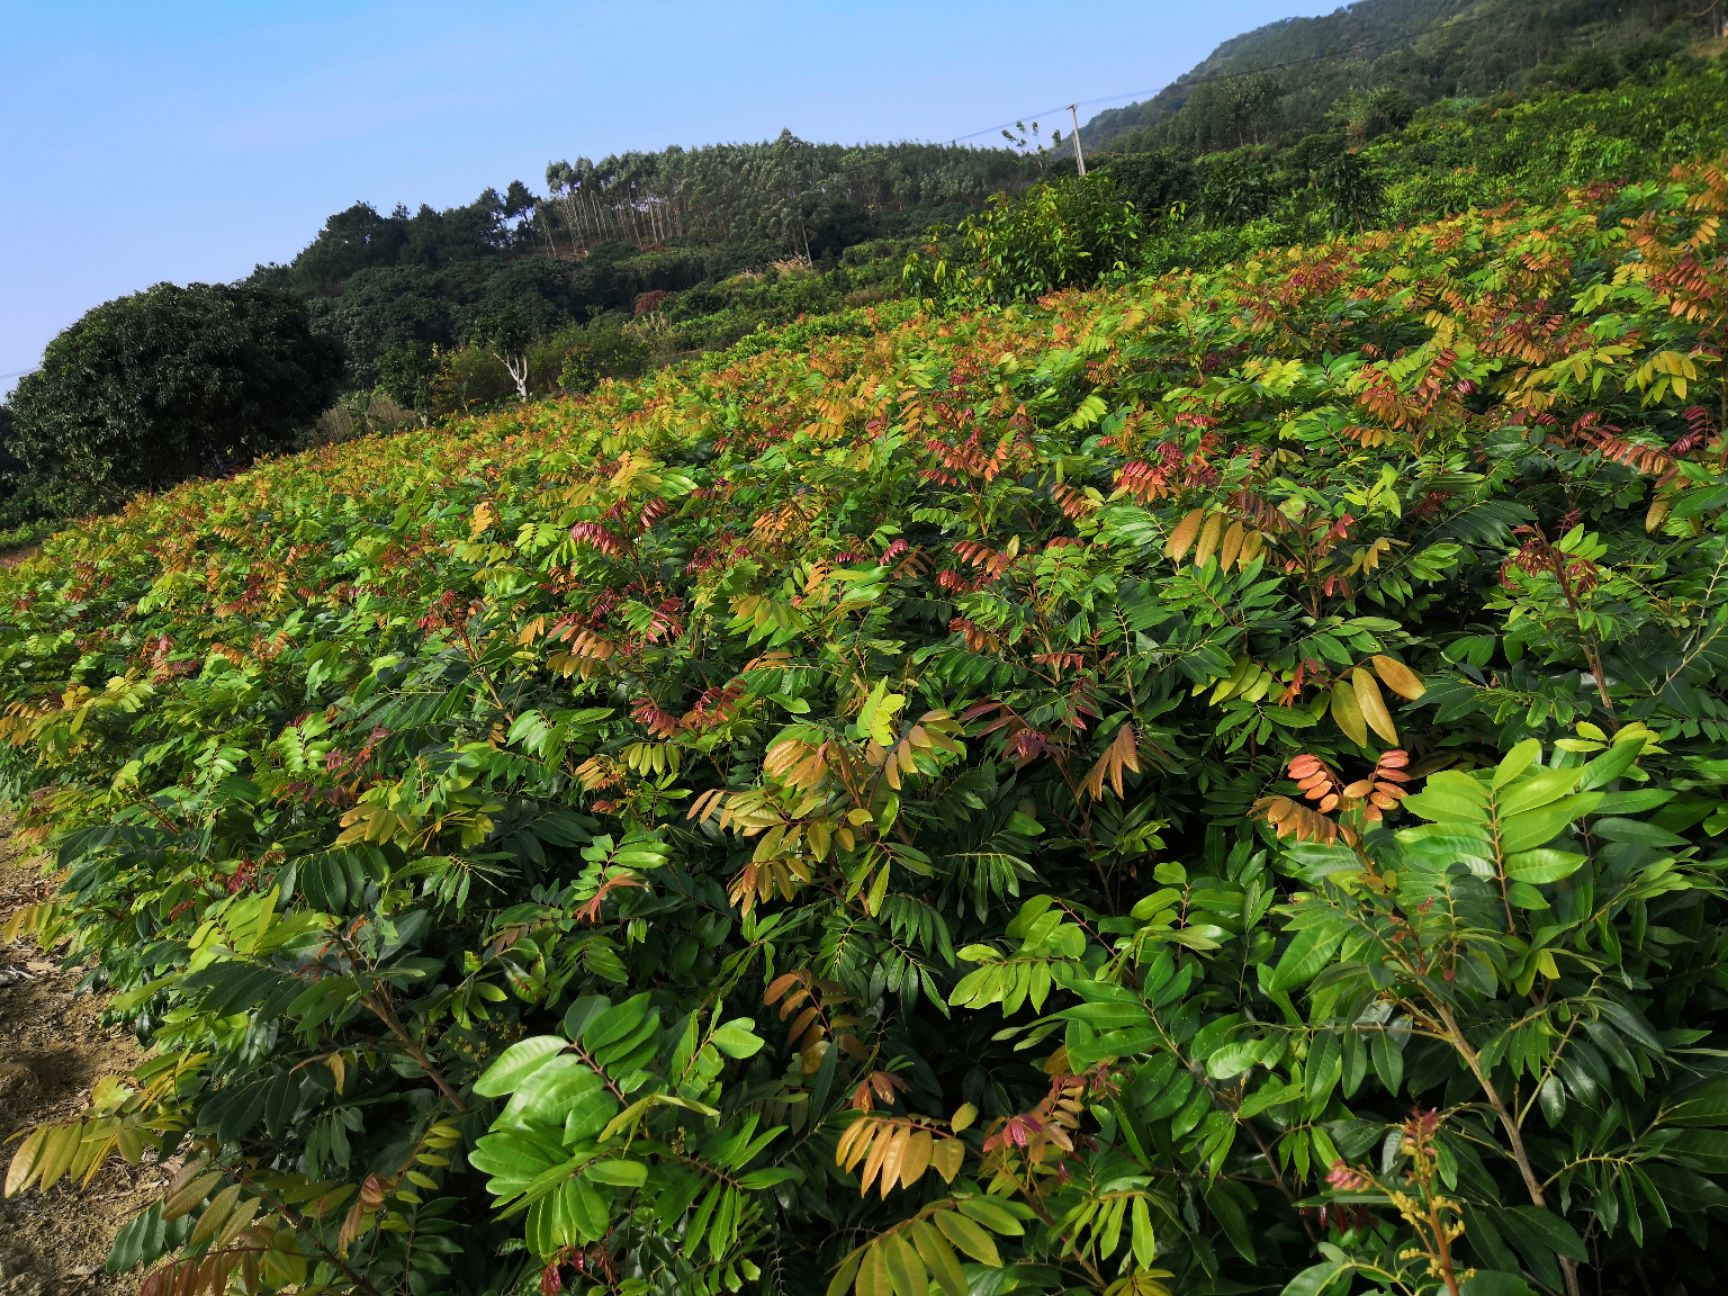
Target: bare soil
{"type": "Point", "coordinates": [53, 1048]}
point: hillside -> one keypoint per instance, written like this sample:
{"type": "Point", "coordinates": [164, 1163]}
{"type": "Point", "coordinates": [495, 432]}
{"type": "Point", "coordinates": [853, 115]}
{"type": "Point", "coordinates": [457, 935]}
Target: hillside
{"type": "Point", "coordinates": [1283, 80]}
{"type": "Point", "coordinates": [1212, 784]}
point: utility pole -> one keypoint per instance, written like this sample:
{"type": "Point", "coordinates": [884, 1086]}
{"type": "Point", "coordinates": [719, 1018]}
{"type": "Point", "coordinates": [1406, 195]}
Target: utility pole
{"type": "Point", "coordinates": [1079, 157]}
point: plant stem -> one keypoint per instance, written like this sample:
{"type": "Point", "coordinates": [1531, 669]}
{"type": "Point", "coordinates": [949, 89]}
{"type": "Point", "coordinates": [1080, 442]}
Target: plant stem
{"type": "Point", "coordinates": [1514, 1135]}
{"type": "Point", "coordinates": [381, 1009]}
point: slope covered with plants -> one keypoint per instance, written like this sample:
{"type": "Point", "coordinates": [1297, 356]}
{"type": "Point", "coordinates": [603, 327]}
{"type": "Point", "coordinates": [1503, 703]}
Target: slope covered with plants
{"type": "Point", "coordinates": [1373, 57]}
{"type": "Point", "coordinates": [1208, 786]}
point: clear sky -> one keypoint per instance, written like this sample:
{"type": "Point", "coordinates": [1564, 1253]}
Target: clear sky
{"type": "Point", "coordinates": [144, 140]}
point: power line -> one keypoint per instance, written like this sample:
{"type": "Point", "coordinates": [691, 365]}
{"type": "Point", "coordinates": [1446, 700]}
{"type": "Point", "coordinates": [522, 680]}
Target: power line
{"type": "Point", "coordinates": [1173, 85]}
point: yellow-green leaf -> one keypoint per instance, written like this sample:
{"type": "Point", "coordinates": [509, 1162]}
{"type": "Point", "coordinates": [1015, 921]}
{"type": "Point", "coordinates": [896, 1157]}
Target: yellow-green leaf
{"type": "Point", "coordinates": [1373, 705]}
{"type": "Point", "coordinates": [847, 1271]}
{"type": "Point", "coordinates": [939, 1258]}
{"type": "Point", "coordinates": [1347, 713]}
{"type": "Point", "coordinates": [873, 1279]}
{"type": "Point", "coordinates": [1208, 539]}
{"type": "Point", "coordinates": [1183, 536]}
{"type": "Point", "coordinates": [1398, 677]}
{"type": "Point", "coordinates": [215, 1214]}
{"type": "Point", "coordinates": [1143, 1239]}
{"type": "Point", "coordinates": [968, 1237]}
{"type": "Point", "coordinates": [915, 1160]}
{"type": "Point", "coordinates": [946, 1157]}
{"type": "Point", "coordinates": [24, 1162]}
{"type": "Point", "coordinates": [905, 1269]}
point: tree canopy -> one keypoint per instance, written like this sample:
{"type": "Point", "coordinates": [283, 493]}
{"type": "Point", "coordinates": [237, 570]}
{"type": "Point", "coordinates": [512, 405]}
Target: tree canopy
{"type": "Point", "coordinates": [147, 390]}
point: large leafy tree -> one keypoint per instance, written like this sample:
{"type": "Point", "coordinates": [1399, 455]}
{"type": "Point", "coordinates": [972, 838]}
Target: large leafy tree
{"type": "Point", "coordinates": [10, 469]}
{"type": "Point", "coordinates": [7, 462]}
{"type": "Point", "coordinates": [507, 333]}
{"type": "Point", "coordinates": [163, 385]}
{"type": "Point", "coordinates": [383, 308]}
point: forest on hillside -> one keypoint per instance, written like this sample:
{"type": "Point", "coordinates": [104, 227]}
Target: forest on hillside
{"type": "Point", "coordinates": [606, 233]}
{"type": "Point", "coordinates": [1283, 80]}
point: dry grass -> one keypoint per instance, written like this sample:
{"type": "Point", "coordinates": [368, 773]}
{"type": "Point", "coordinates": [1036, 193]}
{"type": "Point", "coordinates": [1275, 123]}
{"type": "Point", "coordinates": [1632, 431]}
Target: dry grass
{"type": "Point", "coordinates": [53, 1047]}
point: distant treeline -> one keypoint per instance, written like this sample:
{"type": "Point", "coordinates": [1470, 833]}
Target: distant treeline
{"type": "Point", "coordinates": [607, 232]}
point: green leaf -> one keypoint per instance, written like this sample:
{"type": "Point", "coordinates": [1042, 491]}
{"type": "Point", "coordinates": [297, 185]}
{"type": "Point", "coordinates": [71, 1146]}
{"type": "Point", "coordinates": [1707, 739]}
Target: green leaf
{"type": "Point", "coordinates": [1388, 1060]}
{"type": "Point", "coordinates": [1306, 957]}
{"type": "Point", "coordinates": [1269, 1095]}
{"type": "Point", "coordinates": [1539, 789]}
{"type": "Point", "coordinates": [1538, 827]}
{"type": "Point", "coordinates": [144, 1240]}
{"type": "Point", "coordinates": [735, 1038]}
{"type": "Point", "coordinates": [1702, 1149]}
{"type": "Point", "coordinates": [616, 1023]}
{"type": "Point", "coordinates": [1315, 1280]}
{"type": "Point", "coordinates": [768, 1177]}
{"type": "Point", "coordinates": [550, 1090]}
{"type": "Point", "coordinates": [1324, 1067]}
{"type": "Point", "coordinates": [1111, 1045]}
{"type": "Point", "coordinates": [1610, 765]}
{"type": "Point", "coordinates": [1542, 865]}
{"type": "Point", "coordinates": [516, 1156]}
{"type": "Point", "coordinates": [616, 1173]}
{"type": "Point", "coordinates": [1515, 762]}
{"type": "Point", "coordinates": [1496, 1282]}
{"type": "Point", "coordinates": [588, 1208]}
{"type": "Point", "coordinates": [1108, 1015]}
{"type": "Point", "coordinates": [993, 1214]}
{"type": "Point", "coordinates": [1450, 797]}
{"type": "Point", "coordinates": [1704, 1106]}
{"type": "Point", "coordinates": [1232, 1060]}
{"type": "Point", "coordinates": [939, 1258]}
{"type": "Point", "coordinates": [516, 1063]}
{"type": "Point", "coordinates": [1555, 1233]}
{"type": "Point", "coordinates": [1553, 1097]}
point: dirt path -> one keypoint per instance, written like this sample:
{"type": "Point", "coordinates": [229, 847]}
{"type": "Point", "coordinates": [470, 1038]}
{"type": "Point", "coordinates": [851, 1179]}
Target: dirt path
{"type": "Point", "coordinates": [53, 1047]}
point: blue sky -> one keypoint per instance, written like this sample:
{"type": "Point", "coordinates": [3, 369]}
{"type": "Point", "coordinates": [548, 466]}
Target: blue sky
{"type": "Point", "coordinates": [155, 139]}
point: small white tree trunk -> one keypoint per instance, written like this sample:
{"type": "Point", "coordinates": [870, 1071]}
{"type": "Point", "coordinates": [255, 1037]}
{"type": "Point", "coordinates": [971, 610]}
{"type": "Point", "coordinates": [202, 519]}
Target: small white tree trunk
{"type": "Point", "coordinates": [516, 365]}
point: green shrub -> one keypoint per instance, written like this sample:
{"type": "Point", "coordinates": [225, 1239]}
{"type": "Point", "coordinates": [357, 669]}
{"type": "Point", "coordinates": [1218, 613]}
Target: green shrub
{"type": "Point", "coordinates": [364, 413]}
{"type": "Point", "coordinates": [25, 534]}
{"type": "Point", "coordinates": [1066, 234]}
{"type": "Point", "coordinates": [468, 378]}
{"type": "Point", "coordinates": [605, 348]}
